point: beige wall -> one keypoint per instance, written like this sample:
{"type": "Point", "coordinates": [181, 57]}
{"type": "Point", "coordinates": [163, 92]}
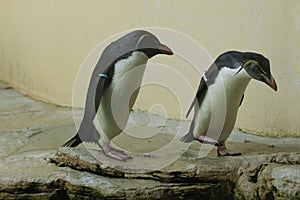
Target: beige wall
{"type": "Point", "coordinates": [43, 43]}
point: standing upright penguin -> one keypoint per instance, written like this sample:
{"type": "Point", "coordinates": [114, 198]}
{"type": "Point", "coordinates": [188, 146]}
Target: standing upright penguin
{"type": "Point", "coordinates": [221, 92]}
{"type": "Point", "coordinates": [113, 89]}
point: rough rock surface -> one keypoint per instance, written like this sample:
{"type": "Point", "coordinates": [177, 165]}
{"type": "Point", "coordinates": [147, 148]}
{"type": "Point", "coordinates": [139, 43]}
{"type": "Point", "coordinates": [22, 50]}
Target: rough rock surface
{"type": "Point", "coordinates": [32, 166]}
{"type": "Point", "coordinates": [266, 176]}
{"type": "Point", "coordinates": [275, 176]}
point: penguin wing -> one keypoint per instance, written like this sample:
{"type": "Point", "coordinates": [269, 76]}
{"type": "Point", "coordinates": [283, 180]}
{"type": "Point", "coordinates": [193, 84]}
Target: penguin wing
{"type": "Point", "coordinates": [208, 78]}
{"type": "Point", "coordinates": [95, 92]}
{"type": "Point", "coordinates": [93, 97]}
{"type": "Point", "coordinates": [242, 99]}
{"type": "Point", "coordinates": [199, 96]}
{"type": "Point", "coordinates": [101, 79]}
{"type": "Point", "coordinates": [202, 89]}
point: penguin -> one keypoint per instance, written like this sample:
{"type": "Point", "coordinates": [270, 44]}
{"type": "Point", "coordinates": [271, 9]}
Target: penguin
{"type": "Point", "coordinates": [113, 89]}
{"type": "Point", "coordinates": [220, 94]}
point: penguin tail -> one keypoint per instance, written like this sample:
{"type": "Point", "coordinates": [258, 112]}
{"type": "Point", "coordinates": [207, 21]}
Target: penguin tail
{"type": "Point", "coordinates": [73, 142]}
{"type": "Point", "coordinates": [189, 137]}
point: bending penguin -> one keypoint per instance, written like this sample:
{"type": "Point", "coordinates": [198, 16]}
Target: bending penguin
{"type": "Point", "coordinates": [113, 89]}
{"type": "Point", "coordinates": [220, 93]}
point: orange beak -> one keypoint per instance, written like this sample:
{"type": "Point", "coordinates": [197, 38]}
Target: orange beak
{"type": "Point", "coordinates": [271, 82]}
{"type": "Point", "coordinates": [165, 49]}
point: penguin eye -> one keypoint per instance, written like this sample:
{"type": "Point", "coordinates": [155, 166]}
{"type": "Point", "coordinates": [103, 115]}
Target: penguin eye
{"type": "Point", "coordinates": [256, 70]}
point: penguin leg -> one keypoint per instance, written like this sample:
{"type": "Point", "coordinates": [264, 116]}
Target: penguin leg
{"type": "Point", "coordinates": [222, 151]}
{"type": "Point", "coordinates": [208, 140]}
{"type": "Point", "coordinates": [114, 153]}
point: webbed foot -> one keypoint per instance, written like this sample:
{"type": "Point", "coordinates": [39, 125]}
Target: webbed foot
{"type": "Point", "coordinates": [115, 153]}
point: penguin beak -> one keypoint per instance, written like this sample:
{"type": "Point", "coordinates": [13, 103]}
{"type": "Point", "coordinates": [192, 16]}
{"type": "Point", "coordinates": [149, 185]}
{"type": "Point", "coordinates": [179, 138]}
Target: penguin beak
{"type": "Point", "coordinates": [270, 81]}
{"type": "Point", "coordinates": [164, 49]}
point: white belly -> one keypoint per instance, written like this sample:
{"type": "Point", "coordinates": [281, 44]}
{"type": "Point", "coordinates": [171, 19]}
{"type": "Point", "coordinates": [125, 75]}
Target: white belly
{"type": "Point", "coordinates": [218, 112]}
{"type": "Point", "coordinates": [119, 98]}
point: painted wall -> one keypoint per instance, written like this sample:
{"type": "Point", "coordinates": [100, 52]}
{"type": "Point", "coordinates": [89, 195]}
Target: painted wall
{"type": "Point", "coordinates": [43, 43]}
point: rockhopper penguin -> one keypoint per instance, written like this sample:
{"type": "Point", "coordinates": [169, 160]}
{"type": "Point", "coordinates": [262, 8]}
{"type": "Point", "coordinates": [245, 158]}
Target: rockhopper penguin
{"type": "Point", "coordinates": [222, 87]}
{"type": "Point", "coordinates": [113, 89]}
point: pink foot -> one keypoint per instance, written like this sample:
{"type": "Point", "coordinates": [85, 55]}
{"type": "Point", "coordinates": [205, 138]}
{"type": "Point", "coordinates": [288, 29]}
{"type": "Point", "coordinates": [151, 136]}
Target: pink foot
{"type": "Point", "coordinates": [208, 140]}
{"type": "Point", "coordinates": [115, 153]}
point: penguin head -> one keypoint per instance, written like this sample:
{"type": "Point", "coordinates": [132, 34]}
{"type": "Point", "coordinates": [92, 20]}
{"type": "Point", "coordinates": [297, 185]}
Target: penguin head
{"type": "Point", "coordinates": [150, 45]}
{"type": "Point", "coordinates": [258, 67]}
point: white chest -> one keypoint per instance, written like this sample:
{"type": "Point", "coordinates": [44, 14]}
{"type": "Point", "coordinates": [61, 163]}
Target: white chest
{"type": "Point", "coordinates": [126, 82]}
{"type": "Point", "coordinates": [229, 87]}
{"type": "Point", "coordinates": [119, 97]}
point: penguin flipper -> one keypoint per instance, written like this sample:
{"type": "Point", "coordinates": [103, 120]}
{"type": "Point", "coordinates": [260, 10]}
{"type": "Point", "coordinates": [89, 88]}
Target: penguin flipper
{"type": "Point", "coordinates": [96, 87]}
{"type": "Point", "coordinates": [199, 96]}
{"type": "Point", "coordinates": [191, 106]}
{"type": "Point", "coordinates": [242, 99]}
{"type": "Point", "coordinates": [99, 93]}
{"type": "Point", "coordinates": [189, 137]}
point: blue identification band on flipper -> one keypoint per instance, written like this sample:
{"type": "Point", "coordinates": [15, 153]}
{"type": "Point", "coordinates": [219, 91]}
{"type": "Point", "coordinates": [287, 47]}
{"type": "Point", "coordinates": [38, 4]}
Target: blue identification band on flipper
{"type": "Point", "coordinates": [102, 75]}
